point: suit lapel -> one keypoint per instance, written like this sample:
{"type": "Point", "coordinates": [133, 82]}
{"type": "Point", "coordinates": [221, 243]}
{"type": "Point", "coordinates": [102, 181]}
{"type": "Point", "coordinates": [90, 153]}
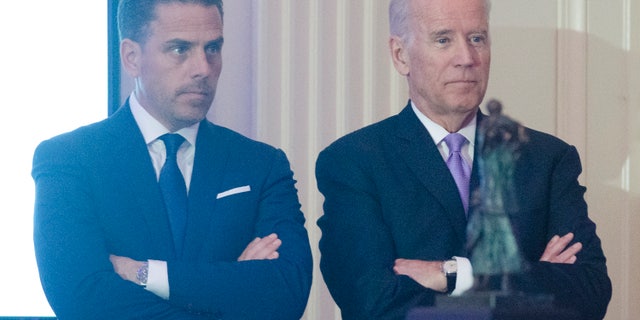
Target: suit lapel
{"type": "Point", "coordinates": [474, 183]}
{"type": "Point", "coordinates": [134, 162]}
{"type": "Point", "coordinates": [209, 168]}
{"type": "Point", "coordinates": [423, 158]}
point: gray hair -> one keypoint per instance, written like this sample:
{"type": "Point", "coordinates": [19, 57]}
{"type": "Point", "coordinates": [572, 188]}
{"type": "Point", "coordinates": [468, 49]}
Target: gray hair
{"type": "Point", "coordinates": [399, 11]}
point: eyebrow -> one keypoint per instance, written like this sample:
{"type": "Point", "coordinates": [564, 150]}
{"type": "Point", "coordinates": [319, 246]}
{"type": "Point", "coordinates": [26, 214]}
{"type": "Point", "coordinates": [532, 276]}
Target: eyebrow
{"type": "Point", "coordinates": [444, 32]}
{"type": "Point", "coordinates": [439, 33]}
{"type": "Point", "coordinates": [177, 42]}
{"type": "Point", "coordinates": [481, 31]}
{"type": "Point", "coordinates": [218, 41]}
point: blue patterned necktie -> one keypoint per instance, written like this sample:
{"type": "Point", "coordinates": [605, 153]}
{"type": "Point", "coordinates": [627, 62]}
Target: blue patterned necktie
{"type": "Point", "coordinates": [174, 189]}
{"type": "Point", "coordinates": [459, 169]}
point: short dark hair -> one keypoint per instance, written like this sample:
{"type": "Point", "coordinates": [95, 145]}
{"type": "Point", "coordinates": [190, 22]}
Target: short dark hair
{"type": "Point", "coordinates": [134, 16]}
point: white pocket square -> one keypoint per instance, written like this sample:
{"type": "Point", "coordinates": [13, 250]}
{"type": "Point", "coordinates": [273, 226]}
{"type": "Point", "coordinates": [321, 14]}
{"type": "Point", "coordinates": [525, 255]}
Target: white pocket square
{"type": "Point", "coordinates": [233, 191]}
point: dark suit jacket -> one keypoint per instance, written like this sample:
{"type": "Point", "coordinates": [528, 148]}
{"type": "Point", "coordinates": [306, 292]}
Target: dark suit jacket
{"type": "Point", "coordinates": [388, 195]}
{"type": "Point", "coordinates": [97, 194]}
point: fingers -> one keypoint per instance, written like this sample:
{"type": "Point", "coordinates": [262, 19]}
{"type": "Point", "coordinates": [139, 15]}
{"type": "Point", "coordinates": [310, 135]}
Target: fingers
{"type": "Point", "coordinates": [119, 264]}
{"type": "Point", "coordinates": [558, 252]}
{"type": "Point", "coordinates": [409, 267]}
{"type": "Point", "coordinates": [401, 266]}
{"type": "Point", "coordinates": [262, 249]}
{"type": "Point", "coordinates": [426, 273]}
{"type": "Point", "coordinates": [555, 246]}
{"type": "Point", "coordinates": [125, 267]}
{"type": "Point", "coordinates": [569, 255]}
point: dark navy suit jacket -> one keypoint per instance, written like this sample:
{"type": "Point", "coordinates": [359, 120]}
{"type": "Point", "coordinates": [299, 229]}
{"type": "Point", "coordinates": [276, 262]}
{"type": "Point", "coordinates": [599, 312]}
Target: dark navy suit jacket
{"type": "Point", "coordinates": [97, 194]}
{"type": "Point", "coordinates": [389, 194]}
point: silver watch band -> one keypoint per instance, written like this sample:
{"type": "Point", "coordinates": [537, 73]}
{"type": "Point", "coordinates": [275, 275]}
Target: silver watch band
{"type": "Point", "coordinates": [143, 274]}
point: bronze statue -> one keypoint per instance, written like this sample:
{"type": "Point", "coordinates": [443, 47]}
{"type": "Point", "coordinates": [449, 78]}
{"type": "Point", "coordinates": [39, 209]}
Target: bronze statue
{"type": "Point", "coordinates": [491, 238]}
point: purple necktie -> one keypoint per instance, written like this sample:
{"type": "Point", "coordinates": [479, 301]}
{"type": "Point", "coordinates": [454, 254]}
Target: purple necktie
{"type": "Point", "coordinates": [459, 169]}
{"type": "Point", "coordinates": [174, 190]}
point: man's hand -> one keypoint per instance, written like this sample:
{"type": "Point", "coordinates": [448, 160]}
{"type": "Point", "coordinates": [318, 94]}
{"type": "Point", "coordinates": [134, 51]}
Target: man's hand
{"type": "Point", "coordinates": [427, 273]}
{"type": "Point", "coordinates": [262, 249]}
{"type": "Point", "coordinates": [126, 268]}
{"type": "Point", "coordinates": [557, 251]}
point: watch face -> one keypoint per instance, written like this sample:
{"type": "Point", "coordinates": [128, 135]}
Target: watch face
{"type": "Point", "coordinates": [450, 266]}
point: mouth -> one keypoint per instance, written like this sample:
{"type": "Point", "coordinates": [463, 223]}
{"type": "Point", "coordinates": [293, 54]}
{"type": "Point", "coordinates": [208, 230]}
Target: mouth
{"type": "Point", "coordinates": [197, 98]}
{"type": "Point", "coordinates": [195, 93]}
{"type": "Point", "coordinates": [464, 85]}
{"type": "Point", "coordinates": [196, 90]}
{"type": "Point", "coordinates": [462, 82]}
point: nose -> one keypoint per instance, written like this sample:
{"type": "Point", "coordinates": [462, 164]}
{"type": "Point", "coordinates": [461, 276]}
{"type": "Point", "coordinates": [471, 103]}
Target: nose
{"type": "Point", "coordinates": [203, 64]}
{"type": "Point", "coordinates": [465, 55]}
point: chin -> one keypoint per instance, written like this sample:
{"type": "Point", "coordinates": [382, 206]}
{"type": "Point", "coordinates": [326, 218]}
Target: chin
{"type": "Point", "coordinates": [191, 116]}
{"type": "Point", "coordinates": [193, 119]}
{"type": "Point", "coordinates": [196, 108]}
{"type": "Point", "coordinates": [465, 107]}
{"type": "Point", "coordinates": [469, 104]}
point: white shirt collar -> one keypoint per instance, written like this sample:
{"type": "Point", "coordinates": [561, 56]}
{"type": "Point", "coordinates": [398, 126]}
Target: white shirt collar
{"type": "Point", "coordinates": [438, 133]}
{"type": "Point", "coordinates": [152, 129]}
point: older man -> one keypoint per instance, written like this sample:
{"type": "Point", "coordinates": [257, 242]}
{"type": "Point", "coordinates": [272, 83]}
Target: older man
{"type": "Point", "coordinates": [395, 215]}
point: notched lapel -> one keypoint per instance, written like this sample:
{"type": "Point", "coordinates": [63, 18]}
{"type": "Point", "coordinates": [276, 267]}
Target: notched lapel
{"type": "Point", "coordinates": [422, 156]}
{"type": "Point", "coordinates": [209, 169]}
{"type": "Point", "coordinates": [134, 163]}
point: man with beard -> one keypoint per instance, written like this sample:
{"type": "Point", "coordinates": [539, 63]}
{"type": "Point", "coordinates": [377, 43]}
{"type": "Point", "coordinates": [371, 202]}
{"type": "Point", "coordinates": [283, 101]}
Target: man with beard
{"type": "Point", "coordinates": [157, 213]}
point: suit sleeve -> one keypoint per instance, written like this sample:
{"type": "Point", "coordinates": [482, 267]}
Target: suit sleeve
{"type": "Point", "coordinates": [357, 246]}
{"type": "Point", "coordinates": [585, 285]}
{"type": "Point", "coordinates": [71, 250]}
{"type": "Point", "coordinates": [257, 289]}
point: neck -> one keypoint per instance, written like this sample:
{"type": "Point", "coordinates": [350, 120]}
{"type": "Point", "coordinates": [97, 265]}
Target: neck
{"type": "Point", "coordinates": [452, 122]}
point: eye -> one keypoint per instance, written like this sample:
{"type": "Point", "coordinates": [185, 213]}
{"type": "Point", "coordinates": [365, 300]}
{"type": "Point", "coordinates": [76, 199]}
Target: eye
{"type": "Point", "coordinates": [478, 39]}
{"type": "Point", "coordinates": [442, 40]}
{"type": "Point", "coordinates": [213, 49]}
{"type": "Point", "coordinates": [179, 50]}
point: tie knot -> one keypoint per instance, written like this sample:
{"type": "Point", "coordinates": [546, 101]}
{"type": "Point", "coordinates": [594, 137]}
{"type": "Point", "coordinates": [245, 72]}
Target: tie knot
{"type": "Point", "coordinates": [172, 142]}
{"type": "Point", "coordinates": [455, 141]}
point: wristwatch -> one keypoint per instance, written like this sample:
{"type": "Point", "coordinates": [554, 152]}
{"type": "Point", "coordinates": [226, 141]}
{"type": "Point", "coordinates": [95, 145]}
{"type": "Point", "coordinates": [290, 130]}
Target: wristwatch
{"type": "Point", "coordinates": [143, 274]}
{"type": "Point", "coordinates": [450, 270]}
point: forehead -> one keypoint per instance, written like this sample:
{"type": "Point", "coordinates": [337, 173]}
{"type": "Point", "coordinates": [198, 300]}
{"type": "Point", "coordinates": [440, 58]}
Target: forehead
{"type": "Point", "coordinates": [450, 14]}
{"type": "Point", "coordinates": [186, 20]}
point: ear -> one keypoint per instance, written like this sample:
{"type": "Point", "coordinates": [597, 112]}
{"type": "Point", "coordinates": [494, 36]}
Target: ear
{"type": "Point", "coordinates": [399, 55]}
{"type": "Point", "coordinates": [130, 55]}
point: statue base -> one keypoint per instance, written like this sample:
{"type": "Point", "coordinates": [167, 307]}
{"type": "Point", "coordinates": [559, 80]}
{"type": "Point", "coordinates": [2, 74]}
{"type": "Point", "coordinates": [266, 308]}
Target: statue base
{"type": "Point", "coordinates": [495, 300]}
{"type": "Point", "coordinates": [501, 306]}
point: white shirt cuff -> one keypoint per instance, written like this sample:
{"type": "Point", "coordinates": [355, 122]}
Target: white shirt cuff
{"type": "Point", "coordinates": [464, 278]}
{"type": "Point", "coordinates": [158, 279]}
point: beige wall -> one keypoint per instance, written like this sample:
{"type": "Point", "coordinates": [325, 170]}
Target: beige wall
{"type": "Point", "coordinates": [300, 73]}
